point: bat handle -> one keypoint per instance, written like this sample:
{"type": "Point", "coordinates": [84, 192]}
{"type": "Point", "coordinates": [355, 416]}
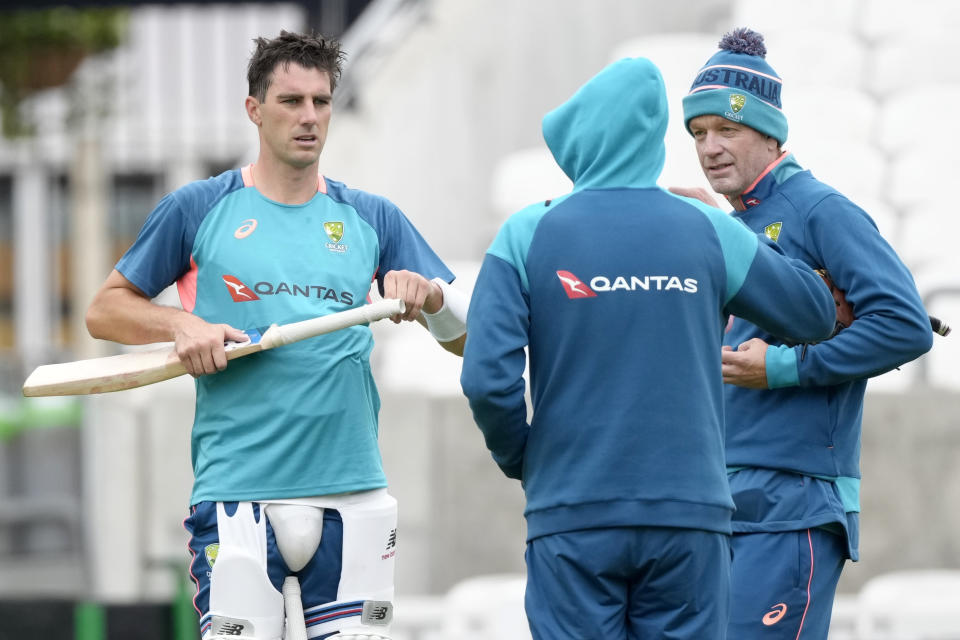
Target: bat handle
{"type": "Point", "coordinates": [939, 326]}
{"type": "Point", "coordinates": [277, 336]}
{"type": "Point", "coordinates": [296, 628]}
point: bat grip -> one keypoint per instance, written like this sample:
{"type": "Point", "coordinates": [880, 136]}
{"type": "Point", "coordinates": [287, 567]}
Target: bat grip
{"type": "Point", "coordinates": [296, 628]}
{"type": "Point", "coordinates": [279, 335]}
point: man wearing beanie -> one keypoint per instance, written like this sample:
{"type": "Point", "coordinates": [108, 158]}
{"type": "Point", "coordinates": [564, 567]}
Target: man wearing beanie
{"type": "Point", "coordinates": [793, 411]}
{"type": "Point", "coordinates": [619, 291]}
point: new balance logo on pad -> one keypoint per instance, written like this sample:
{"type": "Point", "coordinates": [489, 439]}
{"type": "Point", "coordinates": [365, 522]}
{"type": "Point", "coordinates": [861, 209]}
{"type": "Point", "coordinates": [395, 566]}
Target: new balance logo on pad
{"type": "Point", "coordinates": [377, 612]}
{"type": "Point", "coordinates": [229, 627]}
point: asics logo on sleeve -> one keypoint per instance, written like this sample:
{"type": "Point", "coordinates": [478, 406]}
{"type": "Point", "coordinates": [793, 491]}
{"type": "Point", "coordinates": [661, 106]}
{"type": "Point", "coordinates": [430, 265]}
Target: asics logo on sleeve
{"type": "Point", "coordinates": [245, 229]}
{"type": "Point", "coordinates": [776, 612]}
{"type": "Point", "coordinates": [239, 291]}
{"type": "Point", "coordinates": [574, 287]}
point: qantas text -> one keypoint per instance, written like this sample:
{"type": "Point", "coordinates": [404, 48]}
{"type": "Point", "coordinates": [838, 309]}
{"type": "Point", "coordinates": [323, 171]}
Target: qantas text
{"type": "Point", "coordinates": [647, 283]}
{"type": "Point", "coordinates": [306, 290]}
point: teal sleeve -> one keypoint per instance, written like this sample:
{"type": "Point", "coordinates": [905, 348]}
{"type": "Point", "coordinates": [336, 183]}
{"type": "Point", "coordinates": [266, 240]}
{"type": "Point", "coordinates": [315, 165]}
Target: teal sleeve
{"type": "Point", "coordinates": [781, 365]}
{"type": "Point", "coordinates": [739, 246]}
{"type": "Point", "coordinates": [890, 324]}
{"type": "Point", "coordinates": [498, 325]}
{"type": "Point", "coordinates": [513, 239]}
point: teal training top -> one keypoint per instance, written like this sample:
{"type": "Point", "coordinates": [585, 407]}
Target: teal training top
{"type": "Point", "coordinates": [619, 292]}
{"type": "Point", "coordinates": [300, 420]}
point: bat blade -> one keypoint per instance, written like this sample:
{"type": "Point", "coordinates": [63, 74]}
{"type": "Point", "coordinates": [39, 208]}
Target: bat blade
{"type": "Point", "coordinates": [99, 375]}
{"type": "Point", "coordinates": [115, 373]}
{"type": "Point", "coordinates": [138, 369]}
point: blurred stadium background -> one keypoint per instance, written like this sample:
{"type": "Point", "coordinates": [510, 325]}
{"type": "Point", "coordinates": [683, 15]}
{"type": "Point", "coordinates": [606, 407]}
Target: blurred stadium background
{"type": "Point", "coordinates": [439, 109]}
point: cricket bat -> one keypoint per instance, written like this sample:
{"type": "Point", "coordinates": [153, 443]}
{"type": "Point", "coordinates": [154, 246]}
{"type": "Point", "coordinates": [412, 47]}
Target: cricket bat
{"type": "Point", "coordinates": [130, 370]}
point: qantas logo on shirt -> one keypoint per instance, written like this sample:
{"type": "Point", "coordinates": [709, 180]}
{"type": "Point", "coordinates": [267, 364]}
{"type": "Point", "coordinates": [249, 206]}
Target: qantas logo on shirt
{"type": "Point", "coordinates": [239, 291]}
{"type": "Point", "coordinates": [242, 293]}
{"type": "Point", "coordinates": [577, 288]}
{"type": "Point", "coordinates": [574, 286]}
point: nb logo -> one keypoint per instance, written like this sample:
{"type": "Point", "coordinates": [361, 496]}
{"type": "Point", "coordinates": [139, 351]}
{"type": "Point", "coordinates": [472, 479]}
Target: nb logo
{"type": "Point", "coordinates": [392, 539]}
{"type": "Point", "coordinates": [377, 612]}
{"type": "Point", "coordinates": [230, 629]}
{"type": "Point", "coordinates": [773, 616]}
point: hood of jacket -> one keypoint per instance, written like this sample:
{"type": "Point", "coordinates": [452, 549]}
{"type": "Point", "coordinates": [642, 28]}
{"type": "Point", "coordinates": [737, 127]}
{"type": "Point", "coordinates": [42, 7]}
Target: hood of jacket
{"type": "Point", "coordinates": [609, 134]}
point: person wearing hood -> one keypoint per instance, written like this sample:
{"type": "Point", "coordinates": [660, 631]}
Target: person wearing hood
{"type": "Point", "coordinates": [620, 292]}
{"type": "Point", "coordinates": [794, 411]}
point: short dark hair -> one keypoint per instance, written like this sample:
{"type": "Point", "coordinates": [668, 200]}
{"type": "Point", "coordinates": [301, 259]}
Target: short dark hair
{"type": "Point", "coordinates": [307, 50]}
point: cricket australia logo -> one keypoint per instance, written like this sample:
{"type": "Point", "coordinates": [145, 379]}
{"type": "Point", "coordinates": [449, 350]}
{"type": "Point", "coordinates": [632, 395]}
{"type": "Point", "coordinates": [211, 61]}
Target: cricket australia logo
{"type": "Point", "coordinates": [334, 231]}
{"type": "Point", "coordinates": [737, 102]}
{"type": "Point", "coordinates": [210, 553]}
{"type": "Point", "coordinates": [772, 230]}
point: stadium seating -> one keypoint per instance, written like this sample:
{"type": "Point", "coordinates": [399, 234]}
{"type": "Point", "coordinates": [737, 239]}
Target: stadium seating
{"type": "Point", "coordinates": [764, 15]}
{"type": "Point", "coordinates": [928, 240]}
{"type": "Point", "coordinates": [843, 622]}
{"type": "Point", "coordinates": [919, 177]}
{"type": "Point", "coordinates": [905, 63]}
{"type": "Point", "coordinates": [880, 19]}
{"type": "Point", "coordinates": [910, 605]}
{"type": "Point", "coordinates": [821, 112]}
{"type": "Point", "coordinates": [525, 177]}
{"type": "Point", "coordinates": [815, 55]}
{"type": "Point", "coordinates": [908, 117]}
{"type": "Point", "coordinates": [486, 607]}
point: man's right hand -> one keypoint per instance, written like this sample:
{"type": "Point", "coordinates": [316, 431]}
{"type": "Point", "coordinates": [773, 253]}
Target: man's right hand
{"type": "Point", "coordinates": [122, 313]}
{"type": "Point", "coordinates": [199, 344]}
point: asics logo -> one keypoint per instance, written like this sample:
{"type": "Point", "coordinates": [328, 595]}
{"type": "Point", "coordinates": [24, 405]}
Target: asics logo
{"type": "Point", "coordinates": [776, 612]}
{"type": "Point", "coordinates": [574, 287]}
{"type": "Point", "coordinates": [239, 291]}
{"type": "Point", "coordinates": [248, 227]}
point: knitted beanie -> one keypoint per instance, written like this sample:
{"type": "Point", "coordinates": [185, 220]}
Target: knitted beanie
{"type": "Point", "coordinates": [738, 84]}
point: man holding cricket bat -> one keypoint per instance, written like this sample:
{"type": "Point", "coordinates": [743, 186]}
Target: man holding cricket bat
{"type": "Point", "coordinates": [288, 476]}
{"type": "Point", "coordinates": [793, 411]}
{"type": "Point", "coordinates": [619, 291]}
